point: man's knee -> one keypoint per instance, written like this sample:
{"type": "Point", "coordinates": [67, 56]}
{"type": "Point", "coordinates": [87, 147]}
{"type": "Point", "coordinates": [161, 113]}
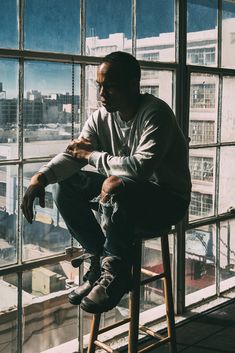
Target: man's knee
{"type": "Point", "coordinates": [113, 185]}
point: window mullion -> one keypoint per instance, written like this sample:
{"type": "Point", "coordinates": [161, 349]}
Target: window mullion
{"type": "Point", "coordinates": [133, 27]}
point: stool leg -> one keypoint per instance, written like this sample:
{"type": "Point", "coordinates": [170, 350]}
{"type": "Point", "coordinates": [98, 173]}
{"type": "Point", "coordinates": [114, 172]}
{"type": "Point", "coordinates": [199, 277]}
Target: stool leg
{"type": "Point", "coordinates": [134, 300]}
{"type": "Point", "coordinates": [94, 332]}
{"type": "Point", "coordinates": [168, 293]}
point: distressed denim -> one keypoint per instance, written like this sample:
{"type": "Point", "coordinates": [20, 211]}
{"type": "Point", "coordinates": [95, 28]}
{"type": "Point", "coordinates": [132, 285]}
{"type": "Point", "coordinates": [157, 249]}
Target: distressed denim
{"type": "Point", "coordinates": [140, 205]}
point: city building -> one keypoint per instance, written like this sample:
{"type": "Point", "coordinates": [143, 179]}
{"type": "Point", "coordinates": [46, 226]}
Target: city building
{"type": "Point", "coordinates": [38, 123]}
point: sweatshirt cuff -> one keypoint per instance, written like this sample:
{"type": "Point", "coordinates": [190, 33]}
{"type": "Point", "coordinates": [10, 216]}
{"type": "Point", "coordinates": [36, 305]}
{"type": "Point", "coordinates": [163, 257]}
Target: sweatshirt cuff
{"type": "Point", "coordinates": [94, 158]}
{"type": "Point", "coordinates": [49, 174]}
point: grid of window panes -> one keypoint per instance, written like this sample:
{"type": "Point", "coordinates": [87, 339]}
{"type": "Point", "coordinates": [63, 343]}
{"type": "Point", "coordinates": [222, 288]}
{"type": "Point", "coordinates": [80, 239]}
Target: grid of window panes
{"type": "Point", "coordinates": [44, 103]}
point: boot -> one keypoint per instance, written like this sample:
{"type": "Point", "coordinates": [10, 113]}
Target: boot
{"type": "Point", "coordinates": [89, 278]}
{"type": "Point", "coordinates": [108, 290]}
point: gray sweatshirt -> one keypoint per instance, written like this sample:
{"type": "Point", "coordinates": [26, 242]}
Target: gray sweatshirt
{"type": "Point", "coordinates": [150, 147]}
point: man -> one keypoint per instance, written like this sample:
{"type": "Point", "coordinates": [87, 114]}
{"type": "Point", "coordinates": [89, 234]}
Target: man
{"type": "Point", "coordinates": [142, 180]}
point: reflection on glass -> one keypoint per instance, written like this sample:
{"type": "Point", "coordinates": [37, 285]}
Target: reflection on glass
{"type": "Point", "coordinates": [158, 83]}
{"type": "Point", "coordinates": [52, 25]}
{"type": "Point", "coordinates": [155, 30]}
{"type": "Point", "coordinates": [202, 32]}
{"type": "Point", "coordinates": [227, 177]}
{"type": "Point", "coordinates": [8, 313]}
{"type": "Point", "coordinates": [47, 234]}
{"type": "Point", "coordinates": [200, 261]}
{"type": "Point", "coordinates": [48, 107]}
{"type": "Point", "coordinates": [202, 169]}
{"type": "Point", "coordinates": [228, 110]}
{"type": "Point", "coordinates": [227, 254]}
{"type": "Point", "coordinates": [49, 319]}
{"type": "Point", "coordinates": [92, 98]}
{"type": "Point", "coordinates": [105, 30]}
{"type": "Point", "coordinates": [9, 27]}
{"type": "Point", "coordinates": [228, 34]}
{"type": "Point", "coordinates": [8, 108]}
{"type": "Point", "coordinates": [203, 109]}
{"type": "Point", "coordinates": [8, 207]}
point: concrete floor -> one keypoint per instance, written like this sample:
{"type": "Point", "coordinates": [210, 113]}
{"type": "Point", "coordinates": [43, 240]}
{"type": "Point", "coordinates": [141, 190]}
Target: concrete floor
{"type": "Point", "coordinates": [213, 332]}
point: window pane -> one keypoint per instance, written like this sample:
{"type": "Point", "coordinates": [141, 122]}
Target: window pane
{"type": "Point", "coordinates": [8, 313]}
{"type": "Point", "coordinates": [202, 32]}
{"type": "Point", "coordinates": [49, 319]}
{"type": "Point", "coordinates": [203, 109]}
{"type": "Point", "coordinates": [227, 177]}
{"type": "Point", "coordinates": [8, 20]}
{"type": "Point", "coordinates": [228, 34]}
{"type": "Point", "coordinates": [155, 30]}
{"type": "Point", "coordinates": [47, 234]}
{"type": "Point", "coordinates": [52, 25]}
{"type": "Point", "coordinates": [8, 108]}
{"type": "Point", "coordinates": [227, 254]}
{"type": "Point", "coordinates": [228, 110]}
{"type": "Point", "coordinates": [158, 83]}
{"type": "Point", "coordinates": [92, 98]}
{"type": "Point", "coordinates": [202, 168]}
{"type": "Point", "coordinates": [108, 26]}
{"type": "Point", "coordinates": [8, 208]}
{"type": "Point", "coordinates": [48, 107]}
{"type": "Point", "coordinates": [200, 263]}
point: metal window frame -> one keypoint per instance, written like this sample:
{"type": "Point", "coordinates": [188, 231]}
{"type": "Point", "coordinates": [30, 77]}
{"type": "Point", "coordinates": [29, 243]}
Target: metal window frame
{"type": "Point", "coordinates": [181, 74]}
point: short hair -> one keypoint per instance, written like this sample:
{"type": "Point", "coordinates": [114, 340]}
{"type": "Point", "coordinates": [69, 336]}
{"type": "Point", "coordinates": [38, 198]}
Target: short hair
{"type": "Point", "coordinates": [128, 64]}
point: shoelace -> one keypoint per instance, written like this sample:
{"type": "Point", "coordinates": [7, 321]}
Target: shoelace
{"type": "Point", "coordinates": [105, 279]}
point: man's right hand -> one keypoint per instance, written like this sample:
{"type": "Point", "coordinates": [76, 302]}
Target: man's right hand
{"type": "Point", "coordinates": [35, 189]}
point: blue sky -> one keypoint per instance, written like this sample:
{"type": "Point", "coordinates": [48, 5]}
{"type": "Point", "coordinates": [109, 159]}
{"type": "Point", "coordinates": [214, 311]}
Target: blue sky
{"type": "Point", "coordinates": [53, 25]}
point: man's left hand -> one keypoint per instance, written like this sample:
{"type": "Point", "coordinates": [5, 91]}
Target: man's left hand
{"type": "Point", "coordinates": [80, 149]}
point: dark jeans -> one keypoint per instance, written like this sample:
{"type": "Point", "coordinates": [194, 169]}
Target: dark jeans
{"type": "Point", "coordinates": [140, 205]}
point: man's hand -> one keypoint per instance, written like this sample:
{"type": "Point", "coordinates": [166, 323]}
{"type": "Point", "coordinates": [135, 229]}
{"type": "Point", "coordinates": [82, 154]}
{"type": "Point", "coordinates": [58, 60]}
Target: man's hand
{"type": "Point", "coordinates": [36, 189]}
{"type": "Point", "coordinates": [80, 149]}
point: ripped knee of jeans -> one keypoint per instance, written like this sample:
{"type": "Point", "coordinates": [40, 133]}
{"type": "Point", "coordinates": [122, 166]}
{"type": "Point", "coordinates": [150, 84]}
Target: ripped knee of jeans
{"type": "Point", "coordinates": [112, 186]}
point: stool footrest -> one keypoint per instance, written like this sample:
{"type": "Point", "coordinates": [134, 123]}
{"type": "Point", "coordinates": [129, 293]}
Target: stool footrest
{"type": "Point", "coordinates": [151, 332]}
{"type": "Point", "coordinates": [105, 347]}
{"type": "Point", "coordinates": [112, 326]}
{"type": "Point", "coordinates": [152, 279]}
{"type": "Point", "coordinates": [154, 345]}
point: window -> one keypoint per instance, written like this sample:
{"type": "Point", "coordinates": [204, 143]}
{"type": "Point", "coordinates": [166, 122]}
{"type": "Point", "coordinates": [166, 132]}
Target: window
{"type": "Point", "coordinates": [49, 52]}
{"type": "Point", "coordinates": [201, 168]}
{"type": "Point", "coordinates": [201, 132]}
{"type": "Point", "coordinates": [203, 96]}
{"type": "Point", "coordinates": [201, 204]}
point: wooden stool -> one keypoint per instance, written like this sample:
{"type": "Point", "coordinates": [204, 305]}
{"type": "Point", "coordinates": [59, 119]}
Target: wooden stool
{"type": "Point", "coordinates": [134, 303]}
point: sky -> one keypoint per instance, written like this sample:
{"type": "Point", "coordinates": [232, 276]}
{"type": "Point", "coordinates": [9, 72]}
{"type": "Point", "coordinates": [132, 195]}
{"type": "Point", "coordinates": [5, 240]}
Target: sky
{"type": "Point", "coordinates": [53, 25]}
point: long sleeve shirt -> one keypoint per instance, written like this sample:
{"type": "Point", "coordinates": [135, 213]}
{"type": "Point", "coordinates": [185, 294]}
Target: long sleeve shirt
{"type": "Point", "coordinates": [150, 147]}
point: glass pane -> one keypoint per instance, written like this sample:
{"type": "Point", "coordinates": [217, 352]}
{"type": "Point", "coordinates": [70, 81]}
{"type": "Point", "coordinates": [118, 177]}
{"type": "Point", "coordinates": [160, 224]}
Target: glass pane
{"type": "Point", "coordinates": [52, 25]}
{"type": "Point", "coordinates": [152, 294]}
{"type": "Point", "coordinates": [47, 234]}
{"type": "Point", "coordinates": [203, 109]}
{"type": "Point", "coordinates": [49, 319]}
{"type": "Point", "coordinates": [158, 83]}
{"type": "Point", "coordinates": [155, 30]}
{"type": "Point", "coordinates": [8, 212]}
{"type": "Point", "coordinates": [202, 32]}
{"type": "Point", "coordinates": [202, 167]}
{"type": "Point", "coordinates": [108, 26]}
{"type": "Point", "coordinates": [48, 107]}
{"type": "Point", "coordinates": [91, 92]}
{"type": "Point", "coordinates": [8, 313]}
{"type": "Point", "coordinates": [227, 254]}
{"type": "Point", "coordinates": [228, 110]}
{"type": "Point", "coordinates": [228, 34]}
{"type": "Point", "coordinates": [200, 263]}
{"type": "Point", "coordinates": [9, 26]}
{"type": "Point", "coordinates": [8, 108]}
{"type": "Point", "coordinates": [227, 177]}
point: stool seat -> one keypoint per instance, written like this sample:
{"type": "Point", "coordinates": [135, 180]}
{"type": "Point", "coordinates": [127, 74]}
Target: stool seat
{"type": "Point", "coordinates": [134, 300]}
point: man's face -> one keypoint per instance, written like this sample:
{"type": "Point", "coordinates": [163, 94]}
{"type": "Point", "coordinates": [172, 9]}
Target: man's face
{"type": "Point", "coordinates": [114, 92]}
